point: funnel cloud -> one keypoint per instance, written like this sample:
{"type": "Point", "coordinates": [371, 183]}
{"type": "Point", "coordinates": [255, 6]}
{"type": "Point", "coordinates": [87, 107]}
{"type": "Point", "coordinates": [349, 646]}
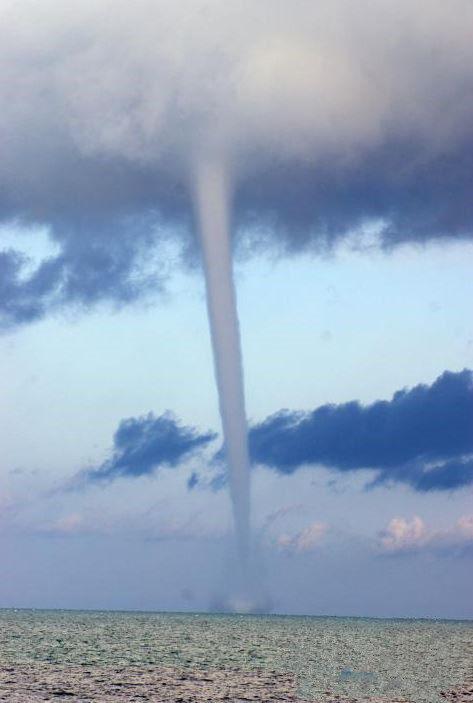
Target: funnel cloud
{"type": "Point", "coordinates": [212, 211]}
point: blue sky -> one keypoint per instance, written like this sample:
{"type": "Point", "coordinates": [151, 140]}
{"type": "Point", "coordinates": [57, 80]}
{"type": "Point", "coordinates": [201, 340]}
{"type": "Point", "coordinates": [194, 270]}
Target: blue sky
{"type": "Point", "coordinates": [344, 139]}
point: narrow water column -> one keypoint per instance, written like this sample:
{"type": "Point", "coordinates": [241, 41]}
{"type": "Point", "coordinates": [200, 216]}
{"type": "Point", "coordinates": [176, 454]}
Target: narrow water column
{"type": "Point", "coordinates": [211, 193]}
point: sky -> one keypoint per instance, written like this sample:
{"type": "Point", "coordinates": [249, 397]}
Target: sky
{"type": "Point", "coordinates": [347, 141]}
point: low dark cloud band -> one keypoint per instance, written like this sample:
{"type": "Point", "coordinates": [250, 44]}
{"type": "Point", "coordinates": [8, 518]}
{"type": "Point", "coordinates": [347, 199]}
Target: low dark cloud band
{"type": "Point", "coordinates": [422, 437]}
{"type": "Point", "coordinates": [143, 445]}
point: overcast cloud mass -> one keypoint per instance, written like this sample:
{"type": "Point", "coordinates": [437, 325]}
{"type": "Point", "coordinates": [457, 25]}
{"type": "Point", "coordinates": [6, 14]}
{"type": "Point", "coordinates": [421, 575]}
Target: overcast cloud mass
{"type": "Point", "coordinates": [328, 116]}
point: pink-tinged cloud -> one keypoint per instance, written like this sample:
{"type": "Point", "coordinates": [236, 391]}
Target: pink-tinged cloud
{"type": "Point", "coordinates": [403, 535]}
{"type": "Point", "coordinates": [304, 541]}
{"type": "Point", "coordinates": [69, 524]}
{"type": "Point", "coordinates": [465, 526]}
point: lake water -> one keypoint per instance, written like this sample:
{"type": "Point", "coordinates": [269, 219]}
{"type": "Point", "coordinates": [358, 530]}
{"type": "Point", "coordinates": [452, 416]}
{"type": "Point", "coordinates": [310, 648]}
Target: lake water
{"type": "Point", "coordinates": [353, 656]}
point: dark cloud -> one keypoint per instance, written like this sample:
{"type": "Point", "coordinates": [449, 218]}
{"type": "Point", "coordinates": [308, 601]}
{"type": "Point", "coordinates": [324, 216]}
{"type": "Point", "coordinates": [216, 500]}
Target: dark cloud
{"type": "Point", "coordinates": [193, 480]}
{"type": "Point", "coordinates": [115, 261]}
{"type": "Point", "coordinates": [422, 437]}
{"type": "Point", "coordinates": [412, 197]}
{"type": "Point", "coordinates": [328, 117]}
{"type": "Point", "coordinates": [446, 476]}
{"type": "Point", "coordinates": [144, 444]}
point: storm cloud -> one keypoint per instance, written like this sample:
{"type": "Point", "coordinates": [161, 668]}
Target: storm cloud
{"type": "Point", "coordinates": [145, 444]}
{"type": "Point", "coordinates": [328, 117]}
{"type": "Point", "coordinates": [421, 437]}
